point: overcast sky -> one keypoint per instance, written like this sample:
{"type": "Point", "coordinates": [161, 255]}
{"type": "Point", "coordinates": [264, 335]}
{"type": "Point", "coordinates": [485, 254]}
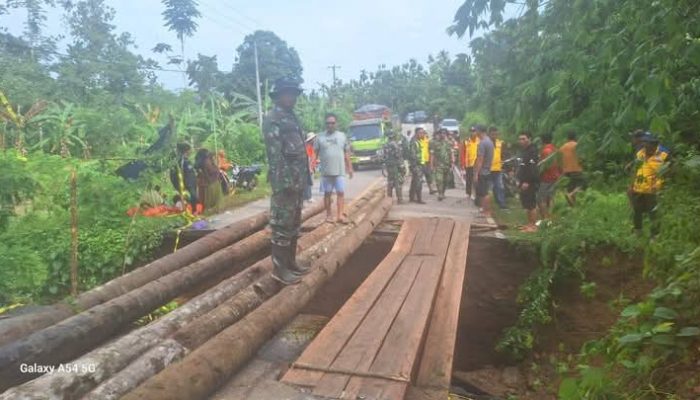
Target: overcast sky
{"type": "Point", "coordinates": [356, 35]}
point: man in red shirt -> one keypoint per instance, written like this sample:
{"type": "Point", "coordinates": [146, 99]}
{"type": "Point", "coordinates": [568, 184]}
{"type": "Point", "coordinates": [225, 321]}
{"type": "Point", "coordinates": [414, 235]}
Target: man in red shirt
{"type": "Point", "coordinates": [549, 176]}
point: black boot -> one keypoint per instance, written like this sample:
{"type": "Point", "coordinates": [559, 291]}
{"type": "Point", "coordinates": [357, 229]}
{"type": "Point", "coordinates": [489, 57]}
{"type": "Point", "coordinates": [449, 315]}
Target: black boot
{"type": "Point", "coordinates": [282, 267]}
{"type": "Point", "coordinates": [298, 269]}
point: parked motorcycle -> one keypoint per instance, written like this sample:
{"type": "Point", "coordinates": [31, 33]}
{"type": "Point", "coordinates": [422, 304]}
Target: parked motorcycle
{"type": "Point", "coordinates": [510, 173]}
{"type": "Point", "coordinates": [245, 177]}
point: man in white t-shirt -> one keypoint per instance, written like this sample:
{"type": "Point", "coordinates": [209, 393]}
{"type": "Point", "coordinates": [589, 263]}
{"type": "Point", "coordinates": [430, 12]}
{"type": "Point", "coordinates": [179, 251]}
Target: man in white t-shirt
{"type": "Point", "coordinates": [333, 151]}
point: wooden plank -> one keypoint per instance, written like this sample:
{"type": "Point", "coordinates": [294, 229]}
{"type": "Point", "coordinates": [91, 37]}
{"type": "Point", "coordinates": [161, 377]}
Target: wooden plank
{"type": "Point", "coordinates": [328, 344]}
{"type": "Point", "coordinates": [369, 336]}
{"type": "Point", "coordinates": [424, 240]}
{"type": "Point", "coordinates": [399, 354]}
{"type": "Point", "coordinates": [436, 362]}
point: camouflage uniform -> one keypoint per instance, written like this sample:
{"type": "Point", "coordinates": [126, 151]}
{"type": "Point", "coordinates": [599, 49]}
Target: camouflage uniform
{"type": "Point", "coordinates": [441, 153]}
{"type": "Point", "coordinates": [393, 160]}
{"type": "Point", "coordinates": [288, 175]}
{"type": "Point", "coordinates": [415, 192]}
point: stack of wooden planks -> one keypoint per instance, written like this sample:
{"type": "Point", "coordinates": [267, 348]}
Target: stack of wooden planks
{"type": "Point", "coordinates": [399, 327]}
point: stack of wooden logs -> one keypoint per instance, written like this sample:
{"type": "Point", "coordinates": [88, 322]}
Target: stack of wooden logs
{"type": "Point", "coordinates": [191, 351]}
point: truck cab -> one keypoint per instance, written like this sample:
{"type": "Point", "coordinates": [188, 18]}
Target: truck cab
{"type": "Point", "coordinates": [367, 139]}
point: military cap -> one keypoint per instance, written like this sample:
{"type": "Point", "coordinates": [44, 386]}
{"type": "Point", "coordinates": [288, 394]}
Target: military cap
{"type": "Point", "coordinates": [648, 137]}
{"type": "Point", "coordinates": [285, 84]}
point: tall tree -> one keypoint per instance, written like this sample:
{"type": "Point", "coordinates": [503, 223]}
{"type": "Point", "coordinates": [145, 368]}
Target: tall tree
{"type": "Point", "coordinates": [277, 59]}
{"type": "Point", "coordinates": [204, 74]}
{"type": "Point", "coordinates": [98, 59]}
{"type": "Point", "coordinates": [180, 16]}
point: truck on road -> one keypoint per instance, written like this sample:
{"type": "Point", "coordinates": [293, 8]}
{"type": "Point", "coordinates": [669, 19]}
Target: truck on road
{"type": "Point", "coordinates": [367, 134]}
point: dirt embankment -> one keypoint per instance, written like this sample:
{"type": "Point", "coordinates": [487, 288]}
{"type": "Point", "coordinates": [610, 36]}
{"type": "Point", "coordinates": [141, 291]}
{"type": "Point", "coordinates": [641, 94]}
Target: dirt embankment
{"type": "Point", "coordinates": [496, 270]}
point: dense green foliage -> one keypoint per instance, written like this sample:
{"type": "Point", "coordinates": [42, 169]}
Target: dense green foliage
{"type": "Point", "coordinates": [605, 68]}
{"type": "Point", "coordinates": [93, 109]}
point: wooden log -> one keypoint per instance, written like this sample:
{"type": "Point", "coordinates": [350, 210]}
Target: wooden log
{"type": "Point", "coordinates": [82, 332]}
{"type": "Point", "coordinates": [212, 364]}
{"type": "Point", "coordinates": [436, 363]}
{"type": "Point", "coordinates": [191, 336]}
{"type": "Point", "coordinates": [107, 361]}
{"type": "Point", "coordinates": [17, 327]}
{"type": "Point", "coordinates": [325, 348]}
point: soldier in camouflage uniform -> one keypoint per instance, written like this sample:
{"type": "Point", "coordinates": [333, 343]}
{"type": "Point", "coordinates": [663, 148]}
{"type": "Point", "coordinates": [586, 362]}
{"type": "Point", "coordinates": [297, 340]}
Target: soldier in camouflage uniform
{"type": "Point", "coordinates": [415, 163]}
{"type": "Point", "coordinates": [288, 175]}
{"type": "Point", "coordinates": [393, 161]}
{"type": "Point", "coordinates": [441, 160]}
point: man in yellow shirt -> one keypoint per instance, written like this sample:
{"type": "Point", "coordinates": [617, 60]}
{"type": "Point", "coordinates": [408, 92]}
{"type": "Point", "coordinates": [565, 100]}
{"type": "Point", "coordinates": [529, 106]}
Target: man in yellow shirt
{"type": "Point", "coordinates": [497, 168]}
{"type": "Point", "coordinates": [647, 181]}
{"type": "Point", "coordinates": [571, 168]}
{"type": "Point", "coordinates": [424, 142]}
{"type": "Point", "coordinates": [468, 159]}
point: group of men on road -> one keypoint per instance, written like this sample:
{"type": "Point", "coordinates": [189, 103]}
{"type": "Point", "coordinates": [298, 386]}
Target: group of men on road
{"type": "Point", "coordinates": [481, 161]}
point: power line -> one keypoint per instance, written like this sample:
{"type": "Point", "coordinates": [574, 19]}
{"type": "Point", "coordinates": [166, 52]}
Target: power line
{"type": "Point", "coordinates": [225, 15]}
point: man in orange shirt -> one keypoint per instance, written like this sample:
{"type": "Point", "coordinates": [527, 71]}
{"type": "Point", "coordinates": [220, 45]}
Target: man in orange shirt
{"type": "Point", "coordinates": [571, 167]}
{"type": "Point", "coordinates": [549, 176]}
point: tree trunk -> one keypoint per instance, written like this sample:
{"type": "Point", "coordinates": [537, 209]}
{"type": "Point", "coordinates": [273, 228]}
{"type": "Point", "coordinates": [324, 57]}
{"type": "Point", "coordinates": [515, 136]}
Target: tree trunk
{"type": "Point", "coordinates": [79, 333]}
{"type": "Point", "coordinates": [212, 364]}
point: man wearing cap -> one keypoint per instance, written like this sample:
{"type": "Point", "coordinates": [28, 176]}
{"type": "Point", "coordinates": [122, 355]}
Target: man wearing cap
{"type": "Point", "coordinates": [393, 153]}
{"type": "Point", "coordinates": [647, 181]}
{"type": "Point", "coordinates": [288, 175]}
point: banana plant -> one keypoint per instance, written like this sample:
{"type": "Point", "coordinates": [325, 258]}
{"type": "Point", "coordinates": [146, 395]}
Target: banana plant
{"type": "Point", "coordinates": [62, 131]}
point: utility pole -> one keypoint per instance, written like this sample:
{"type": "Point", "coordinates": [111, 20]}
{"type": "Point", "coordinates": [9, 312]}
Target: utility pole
{"type": "Point", "coordinates": [333, 86]}
{"type": "Point", "coordinates": [257, 86]}
{"type": "Point", "coordinates": [334, 67]}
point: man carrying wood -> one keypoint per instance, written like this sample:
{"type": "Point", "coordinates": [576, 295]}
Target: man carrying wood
{"type": "Point", "coordinates": [288, 175]}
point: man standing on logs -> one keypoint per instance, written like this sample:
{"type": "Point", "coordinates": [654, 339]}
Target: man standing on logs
{"type": "Point", "coordinates": [288, 175]}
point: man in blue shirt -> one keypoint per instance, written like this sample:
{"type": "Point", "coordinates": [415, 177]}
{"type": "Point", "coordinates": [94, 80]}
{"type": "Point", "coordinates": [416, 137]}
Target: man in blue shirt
{"type": "Point", "coordinates": [482, 170]}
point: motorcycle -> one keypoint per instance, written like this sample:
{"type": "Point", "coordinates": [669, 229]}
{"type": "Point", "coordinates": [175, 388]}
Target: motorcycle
{"type": "Point", "coordinates": [510, 173]}
{"type": "Point", "coordinates": [245, 177]}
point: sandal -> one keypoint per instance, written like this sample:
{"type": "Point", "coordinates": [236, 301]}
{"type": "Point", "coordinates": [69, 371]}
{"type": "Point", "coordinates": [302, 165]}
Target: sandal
{"type": "Point", "coordinates": [344, 219]}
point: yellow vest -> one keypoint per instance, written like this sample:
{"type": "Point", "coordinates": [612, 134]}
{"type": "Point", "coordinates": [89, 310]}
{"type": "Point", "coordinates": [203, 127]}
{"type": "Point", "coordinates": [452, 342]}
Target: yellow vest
{"type": "Point", "coordinates": [497, 161]}
{"type": "Point", "coordinates": [424, 150]}
{"type": "Point", "coordinates": [647, 180]}
{"type": "Point", "coordinates": [472, 149]}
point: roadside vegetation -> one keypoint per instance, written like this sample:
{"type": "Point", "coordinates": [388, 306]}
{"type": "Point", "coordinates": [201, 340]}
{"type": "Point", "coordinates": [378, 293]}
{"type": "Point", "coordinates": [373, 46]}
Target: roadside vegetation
{"type": "Point", "coordinates": [600, 67]}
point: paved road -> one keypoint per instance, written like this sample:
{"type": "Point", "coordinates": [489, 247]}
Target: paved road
{"type": "Point", "coordinates": [456, 205]}
{"type": "Point", "coordinates": [354, 186]}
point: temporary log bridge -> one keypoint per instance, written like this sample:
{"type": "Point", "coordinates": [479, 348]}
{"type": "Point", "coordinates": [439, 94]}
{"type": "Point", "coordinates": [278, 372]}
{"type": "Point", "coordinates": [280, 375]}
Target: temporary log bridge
{"type": "Point", "coordinates": [107, 361]}
{"type": "Point", "coordinates": [371, 349]}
